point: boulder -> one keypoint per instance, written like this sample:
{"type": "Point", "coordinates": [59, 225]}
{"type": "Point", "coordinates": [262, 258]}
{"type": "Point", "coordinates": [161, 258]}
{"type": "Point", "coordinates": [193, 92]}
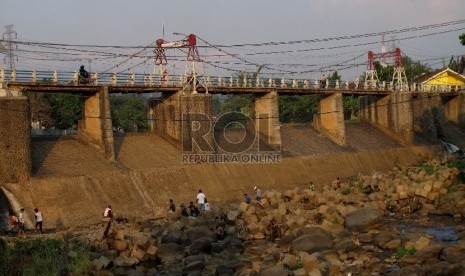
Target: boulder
{"type": "Point", "coordinates": [201, 231]}
{"type": "Point", "coordinates": [312, 242]}
{"type": "Point", "coordinates": [363, 219]}
{"type": "Point", "coordinates": [101, 263]}
{"type": "Point", "coordinates": [272, 271]}
{"type": "Point", "coordinates": [167, 251]}
{"type": "Point", "coordinates": [201, 245]}
{"type": "Point", "coordinates": [193, 267]}
{"type": "Point", "coordinates": [175, 236]}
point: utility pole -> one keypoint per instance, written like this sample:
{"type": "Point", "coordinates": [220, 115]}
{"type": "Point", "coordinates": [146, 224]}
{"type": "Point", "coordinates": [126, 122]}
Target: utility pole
{"type": "Point", "coordinates": [10, 46]}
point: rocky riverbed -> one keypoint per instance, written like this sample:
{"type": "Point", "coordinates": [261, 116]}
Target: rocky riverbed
{"type": "Point", "coordinates": [407, 221]}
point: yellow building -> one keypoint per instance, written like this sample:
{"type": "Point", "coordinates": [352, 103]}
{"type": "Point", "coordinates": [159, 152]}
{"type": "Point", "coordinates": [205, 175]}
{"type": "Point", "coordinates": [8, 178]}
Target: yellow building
{"type": "Point", "coordinates": [443, 80]}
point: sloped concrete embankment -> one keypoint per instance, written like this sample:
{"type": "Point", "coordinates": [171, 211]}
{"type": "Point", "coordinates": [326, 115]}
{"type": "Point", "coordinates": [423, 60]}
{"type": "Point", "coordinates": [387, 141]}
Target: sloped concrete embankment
{"type": "Point", "coordinates": [75, 201]}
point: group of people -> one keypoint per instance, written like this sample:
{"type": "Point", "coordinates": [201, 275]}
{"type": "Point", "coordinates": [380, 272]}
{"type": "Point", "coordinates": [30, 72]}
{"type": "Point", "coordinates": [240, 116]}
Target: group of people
{"type": "Point", "coordinates": [258, 195]}
{"type": "Point", "coordinates": [192, 209]}
{"type": "Point", "coordinates": [17, 223]}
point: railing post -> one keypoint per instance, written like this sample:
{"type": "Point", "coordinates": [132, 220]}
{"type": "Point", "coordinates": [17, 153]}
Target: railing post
{"type": "Point", "coordinates": [231, 81]}
{"type": "Point", "coordinates": [347, 84]}
{"type": "Point", "coordinates": [13, 75]}
{"type": "Point", "coordinates": [75, 77]}
{"type": "Point", "coordinates": [34, 76]}
{"type": "Point", "coordinates": [283, 83]}
{"type": "Point", "coordinates": [55, 77]}
{"type": "Point", "coordinates": [114, 79]}
{"type": "Point", "coordinates": [95, 78]}
{"type": "Point", "coordinates": [244, 83]}
{"type": "Point", "coordinates": [317, 84]}
{"type": "Point", "coordinates": [306, 84]}
{"type": "Point", "coordinates": [209, 81]}
{"type": "Point", "coordinates": [337, 84]}
{"type": "Point", "coordinates": [294, 84]}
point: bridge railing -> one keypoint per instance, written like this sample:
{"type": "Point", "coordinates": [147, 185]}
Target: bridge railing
{"type": "Point", "coordinates": [235, 81]}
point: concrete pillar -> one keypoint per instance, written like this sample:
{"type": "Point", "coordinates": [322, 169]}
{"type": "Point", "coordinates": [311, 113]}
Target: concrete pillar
{"type": "Point", "coordinates": [186, 120]}
{"type": "Point", "coordinates": [454, 110]}
{"type": "Point", "coordinates": [330, 118]}
{"type": "Point", "coordinates": [392, 114]}
{"type": "Point", "coordinates": [266, 117]}
{"type": "Point", "coordinates": [15, 144]}
{"type": "Point", "coordinates": [96, 126]}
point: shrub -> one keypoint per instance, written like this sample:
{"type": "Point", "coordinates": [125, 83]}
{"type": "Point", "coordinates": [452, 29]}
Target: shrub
{"type": "Point", "coordinates": [402, 251]}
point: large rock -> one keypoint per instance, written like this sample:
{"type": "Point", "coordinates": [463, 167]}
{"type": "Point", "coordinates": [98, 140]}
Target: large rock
{"type": "Point", "coordinates": [312, 242]}
{"type": "Point", "coordinates": [178, 237]}
{"type": "Point", "coordinates": [201, 245]}
{"type": "Point", "coordinates": [167, 251]}
{"type": "Point", "coordinates": [363, 219]}
{"type": "Point", "coordinates": [202, 231]}
{"type": "Point", "coordinates": [272, 271]}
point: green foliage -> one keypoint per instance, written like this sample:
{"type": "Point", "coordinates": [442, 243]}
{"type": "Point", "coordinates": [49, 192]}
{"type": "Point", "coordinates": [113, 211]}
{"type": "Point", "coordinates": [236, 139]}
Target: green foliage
{"type": "Point", "coordinates": [297, 109]}
{"type": "Point", "coordinates": [238, 103]}
{"type": "Point", "coordinates": [462, 39]}
{"type": "Point", "coordinates": [427, 167]}
{"type": "Point", "coordinates": [351, 106]}
{"type": "Point", "coordinates": [457, 163]}
{"type": "Point", "coordinates": [402, 251]}
{"type": "Point", "coordinates": [42, 257]}
{"type": "Point", "coordinates": [412, 69]}
{"type": "Point", "coordinates": [346, 190]}
{"type": "Point", "coordinates": [66, 109]}
{"type": "Point", "coordinates": [297, 265]}
{"type": "Point", "coordinates": [129, 113]}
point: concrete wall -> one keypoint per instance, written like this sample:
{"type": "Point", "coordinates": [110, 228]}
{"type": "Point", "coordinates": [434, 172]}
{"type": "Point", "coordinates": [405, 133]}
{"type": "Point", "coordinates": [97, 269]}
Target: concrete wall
{"type": "Point", "coordinates": [429, 118]}
{"type": "Point", "coordinates": [266, 115]}
{"type": "Point", "coordinates": [454, 110]}
{"type": "Point", "coordinates": [330, 118]}
{"type": "Point", "coordinates": [77, 201]}
{"type": "Point", "coordinates": [96, 127]}
{"type": "Point", "coordinates": [186, 120]}
{"type": "Point", "coordinates": [392, 114]}
{"type": "Point", "coordinates": [15, 144]}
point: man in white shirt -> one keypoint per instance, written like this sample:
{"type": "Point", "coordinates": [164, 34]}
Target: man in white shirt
{"type": "Point", "coordinates": [201, 200]}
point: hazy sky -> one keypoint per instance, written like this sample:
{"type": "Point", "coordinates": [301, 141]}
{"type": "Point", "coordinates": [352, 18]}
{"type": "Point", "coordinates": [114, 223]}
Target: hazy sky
{"type": "Point", "coordinates": [140, 23]}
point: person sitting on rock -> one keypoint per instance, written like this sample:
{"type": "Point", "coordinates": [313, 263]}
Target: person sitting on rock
{"type": "Point", "coordinates": [194, 211]}
{"type": "Point", "coordinates": [183, 210]}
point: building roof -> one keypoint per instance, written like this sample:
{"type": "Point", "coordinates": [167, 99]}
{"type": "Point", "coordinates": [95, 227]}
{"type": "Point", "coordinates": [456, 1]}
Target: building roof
{"type": "Point", "coordinates": [429, 76]}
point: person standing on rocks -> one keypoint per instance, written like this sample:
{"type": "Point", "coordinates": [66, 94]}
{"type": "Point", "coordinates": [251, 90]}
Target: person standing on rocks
{"type": "Point", "coordinates": [21, 222]}
{"type": "Point", "coordinates": [183, 210]}
{"type": "Point", "coordinates": [201, 200]}
{"type": "Point", "coordinates": [108, 214]}
{"type": "Point", "coordinates": [39, 220]}
{"type": "Point", "coordinates": [248, 200]}
{"type": "Point", "coordinates": [172, 207]}
{"type": "Point", "coordinates": [258, 192]}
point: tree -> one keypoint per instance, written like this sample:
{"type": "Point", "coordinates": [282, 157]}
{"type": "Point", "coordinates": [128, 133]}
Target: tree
{"type": "Point", "coordinates": [297, 109]}
{"type": "Point", "coordinates": [66, 109]}
{"type": "Point", "coordinates": [129, 113]}
{"type": "Point", "coordinates": [412, 69]}
{"type": "Point", "coordinates": [462, 39]}
{"type": "Point", "coordinates": [41, 111]}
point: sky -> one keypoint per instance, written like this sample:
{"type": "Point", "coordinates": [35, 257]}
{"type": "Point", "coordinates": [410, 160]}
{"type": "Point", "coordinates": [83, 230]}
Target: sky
{"type": "Point", "coordinates": [62, 33]}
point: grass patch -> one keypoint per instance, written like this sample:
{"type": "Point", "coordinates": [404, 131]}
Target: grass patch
{"type": "Point", "coordinates": [346, 190]}
{"type": "Point", "coordinates": [402, 251]}
{"type": "Point", "coordinates": [427, 168]}
{"type": "Point", "coordinates": [42, 257]}
{"type": "Point", "coordinates": [297, 265]}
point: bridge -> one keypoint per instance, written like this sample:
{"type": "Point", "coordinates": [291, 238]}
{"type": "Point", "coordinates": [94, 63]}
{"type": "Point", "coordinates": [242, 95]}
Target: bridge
{"type": "Point", "coordinates": [400, 111]}
{"type": "Point", "coordinates": [54, 81]}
